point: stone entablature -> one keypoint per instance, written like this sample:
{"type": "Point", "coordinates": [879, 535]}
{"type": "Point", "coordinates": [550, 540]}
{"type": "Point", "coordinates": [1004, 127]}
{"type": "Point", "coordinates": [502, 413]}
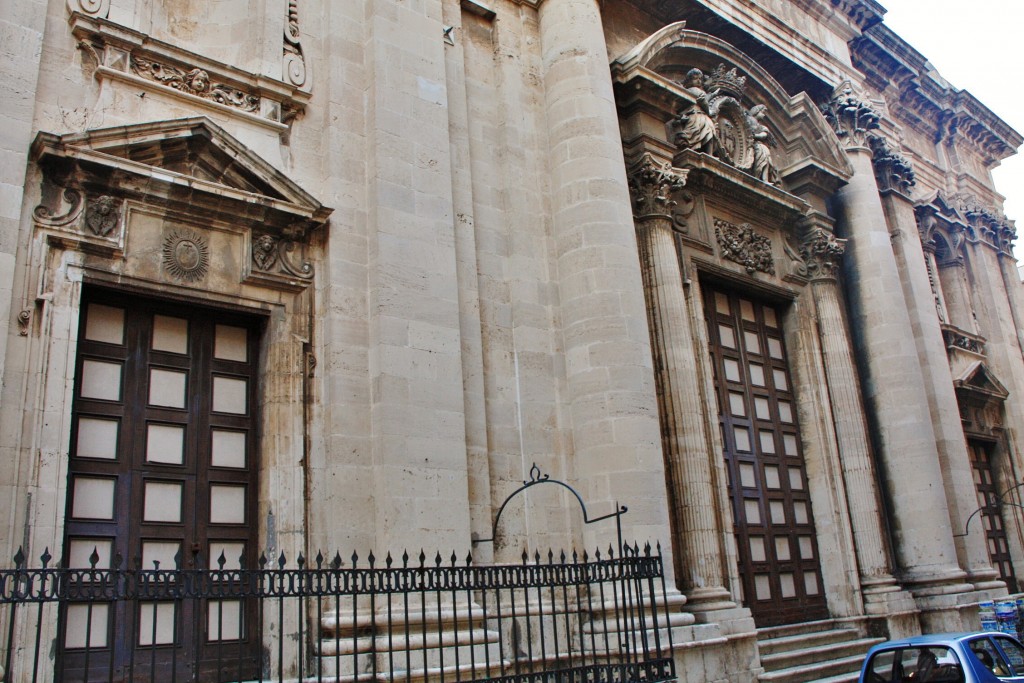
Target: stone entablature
{"type": "Point", "coordinates": [121, 54]}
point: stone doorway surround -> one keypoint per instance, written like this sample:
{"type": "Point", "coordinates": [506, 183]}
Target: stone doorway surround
{"type": "Point", "coordinates": [181, 211]}
{"type": "Point", "coordinates": [747, 209]}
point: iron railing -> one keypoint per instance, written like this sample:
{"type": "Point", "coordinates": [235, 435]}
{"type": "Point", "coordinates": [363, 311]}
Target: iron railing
{"type": "Point", "coordinates": [590, 618]}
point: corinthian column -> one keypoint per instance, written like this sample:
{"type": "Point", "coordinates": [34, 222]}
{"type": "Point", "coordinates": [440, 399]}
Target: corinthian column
{"type": "Point", "coordinates": [610, 392]}
{"type": "Point", "coordinates": [893, 383]}
{"type": "Point", "coordinates": [699, 561]}
{"type": "Point", "coordinates": [823, 252]}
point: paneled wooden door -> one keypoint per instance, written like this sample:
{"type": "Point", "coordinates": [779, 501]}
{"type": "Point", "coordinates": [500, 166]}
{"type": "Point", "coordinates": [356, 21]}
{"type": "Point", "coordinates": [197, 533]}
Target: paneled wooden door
{"type": "Point", "coordinates": [162, 474]}
{"type": "Point", "coordinates": [777, 546]}
{"type": "Point", "coordinates": [991, 512]}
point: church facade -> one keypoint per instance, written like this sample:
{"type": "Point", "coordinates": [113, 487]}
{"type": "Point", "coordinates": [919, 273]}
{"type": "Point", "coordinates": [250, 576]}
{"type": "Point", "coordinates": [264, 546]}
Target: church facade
{"type": "Point", "coordinates": [288, 275]}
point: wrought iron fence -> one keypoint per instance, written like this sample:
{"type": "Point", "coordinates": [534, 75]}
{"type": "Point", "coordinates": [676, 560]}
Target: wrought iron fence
{"type": "Point", "coordinates": [590, 618]}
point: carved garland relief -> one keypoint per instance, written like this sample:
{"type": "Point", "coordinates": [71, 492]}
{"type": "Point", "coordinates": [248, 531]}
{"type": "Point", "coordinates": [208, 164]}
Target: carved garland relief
{"type": "Point", "coordinates": [745, 246]}
{"type": "Point", "coordinates": [195, 82]}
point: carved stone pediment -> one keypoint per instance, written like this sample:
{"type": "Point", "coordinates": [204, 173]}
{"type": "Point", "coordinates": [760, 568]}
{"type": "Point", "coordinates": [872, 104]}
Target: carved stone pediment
{"type": "Point", "coordinates": [978, 379]}
{"type": "Point", "coordinates": [190, 170]}
{"type": "Point", "coordinates": [980, 397]}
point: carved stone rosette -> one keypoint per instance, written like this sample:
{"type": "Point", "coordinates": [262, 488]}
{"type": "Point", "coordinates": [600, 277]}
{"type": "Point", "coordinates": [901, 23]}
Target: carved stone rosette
{"type": "Point", "coordinates": [651, 186]}
{"type": "Point", "coordinates": [850, 116]}
{"type": "Point", "coordinates": [294, 60]}
{"type": "Point", "coordinates": [742, 244]}
{"type": "Point", "coordinates": [892, 170]}
{"type": "Point", "coordinates": [822, 252]}
{"type": "Point", "coordinates": [186, 255]}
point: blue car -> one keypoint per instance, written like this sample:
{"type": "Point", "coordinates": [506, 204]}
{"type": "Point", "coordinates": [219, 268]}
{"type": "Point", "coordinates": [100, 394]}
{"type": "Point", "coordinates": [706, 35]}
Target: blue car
{"type": "Point", "coordinates": [983, 657]}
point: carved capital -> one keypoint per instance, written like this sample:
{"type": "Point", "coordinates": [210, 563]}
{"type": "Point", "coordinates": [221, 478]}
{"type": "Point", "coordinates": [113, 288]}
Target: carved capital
{"type": "Point", "coordinates": [823, 253]}
{"type": "Point", "coordinates": [742, 244]}
{"type": "Point", "coordinates": [651, 186]}
{"type": "Point", "coordinates": [850, 116]}
{"type": "Point", "coordinates": [986, 224]}
{"type": "Point", "coordinates": [892, 170]}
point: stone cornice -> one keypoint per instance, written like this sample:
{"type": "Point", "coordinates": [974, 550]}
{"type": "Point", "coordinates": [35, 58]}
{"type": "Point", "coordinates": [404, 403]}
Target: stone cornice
{"type": "Point", "coordinates": [928, 102]}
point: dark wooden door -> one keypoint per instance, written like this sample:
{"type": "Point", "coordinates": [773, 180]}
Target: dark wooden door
{"type": "Point", "coordinates": [778, 551]}
{"type": "Point", "coordinates": [162, 475]}
{"type": "Point", "coordinates": [991, 512]}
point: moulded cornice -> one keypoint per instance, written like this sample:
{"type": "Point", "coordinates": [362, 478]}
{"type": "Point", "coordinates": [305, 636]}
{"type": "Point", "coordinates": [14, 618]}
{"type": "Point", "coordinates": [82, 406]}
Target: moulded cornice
{"type": "Point", "coordinates": [928, 102]}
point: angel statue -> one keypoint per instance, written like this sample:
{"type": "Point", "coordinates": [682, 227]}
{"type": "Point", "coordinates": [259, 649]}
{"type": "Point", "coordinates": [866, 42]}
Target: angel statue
{"type": "Point", "coordinates": [762, 168]}
{"type": "Point", "coordinates": [698, 131]}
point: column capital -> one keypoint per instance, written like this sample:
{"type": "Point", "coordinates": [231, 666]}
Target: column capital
{"type": "Point", "coordinates": [893, 171]}
{"type": "Point", "coordinates": [822, 252]}
{"type": "Point", "coordinates": [850, 115]}
{"type": "Point", "coordinates": [651, 185]}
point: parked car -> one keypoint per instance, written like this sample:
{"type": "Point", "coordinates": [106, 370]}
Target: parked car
{"type": "Point", "coordinates": [984, 657]}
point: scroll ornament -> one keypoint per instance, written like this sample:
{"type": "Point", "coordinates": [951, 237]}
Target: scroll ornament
{"type": "Point", "coordinates": [276, 255]}
{"type": "Point", "coordinates": [93, 8]}
{"type": "Point", "coordinates": [651, 186]}
{"type": "Point", "coordinates": [294, 61]}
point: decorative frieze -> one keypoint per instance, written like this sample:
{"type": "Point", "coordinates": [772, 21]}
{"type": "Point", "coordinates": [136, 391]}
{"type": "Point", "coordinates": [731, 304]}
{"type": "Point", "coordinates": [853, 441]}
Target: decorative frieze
{"type": "Point", "coordinates": [850, 116]}
{"type": "Point", "coordinates": [744, 245]}
{"type": "Point", "coordinates": [717, 124]}
{"type": "Point", "coordinates": [651, 185]}
{"type": "Point", "coordinates": [280, 261]}
{"type": "Point", "coordinates": [102, 215]}
{"type": "Point", "coordinates": [987, 224]}
{"type": "Point", "coordinates": [194, 81]}
{"type": "Point", "coordinates": [892, 170]}
{"type": "Point", "coordinates": [124, 55]}
{"type": "Point", "coordinates": [823, 252]}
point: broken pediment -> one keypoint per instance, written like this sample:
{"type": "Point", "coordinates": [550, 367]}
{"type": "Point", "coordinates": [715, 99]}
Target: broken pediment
{"type": "Point", "coordinates": [710, 97]}
{"type": "Point", "coordinates": [189, 164]}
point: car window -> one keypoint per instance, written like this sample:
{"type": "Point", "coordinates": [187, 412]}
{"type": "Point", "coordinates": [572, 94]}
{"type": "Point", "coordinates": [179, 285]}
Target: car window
{"type": "Point", "coordinates": [933, 664]}
{"type": "Point", "coordinates": [990, 656]}
{"type": "Point", "coordinates": [1014, 653]}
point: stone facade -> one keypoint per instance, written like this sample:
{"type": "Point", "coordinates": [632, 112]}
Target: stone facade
{"type": "Point", "coordinates": [479, 236]}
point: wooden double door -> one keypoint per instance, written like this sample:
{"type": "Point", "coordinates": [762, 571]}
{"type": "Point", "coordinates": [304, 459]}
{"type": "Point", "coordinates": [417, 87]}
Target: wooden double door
{"type": "Point", "coordinates": [774, 527]}
{"type": "Point", "coordinates": [162, 475]}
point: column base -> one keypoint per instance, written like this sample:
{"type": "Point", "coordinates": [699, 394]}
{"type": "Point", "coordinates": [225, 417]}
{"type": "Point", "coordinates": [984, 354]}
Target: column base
{"type": "Point", "coordinates": [952, 612]}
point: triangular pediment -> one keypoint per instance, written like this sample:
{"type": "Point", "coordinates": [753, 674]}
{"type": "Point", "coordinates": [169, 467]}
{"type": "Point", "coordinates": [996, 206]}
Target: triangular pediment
{"type": "Point", "coordinates": [192, 152]}
{"type": "Point", "coordinates": [978, 378]}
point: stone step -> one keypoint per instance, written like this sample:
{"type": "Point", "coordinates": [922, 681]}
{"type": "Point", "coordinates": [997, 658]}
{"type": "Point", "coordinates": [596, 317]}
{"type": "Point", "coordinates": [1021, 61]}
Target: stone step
{"type": "Point", "coordinates": [819, 653]}
{"type": "Point", "coordinates": [802, 641]}
{"type": "Point", "coordinates": [835, 668]}
{"type": "Point", "coordinates": [771, 632]}
{"type": "Point", "coordinates": [851, 677]}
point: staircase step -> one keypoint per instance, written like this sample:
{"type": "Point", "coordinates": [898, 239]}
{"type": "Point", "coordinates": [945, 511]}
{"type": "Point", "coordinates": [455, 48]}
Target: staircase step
{"type": "Point", "coordinates": [820, 653]}
{"type": "Point", "coordinates": [815, 672]}
{"type": "Point", "coordinates": [803, 641]}
{"type": "Point", "coordinates": [769, 632]}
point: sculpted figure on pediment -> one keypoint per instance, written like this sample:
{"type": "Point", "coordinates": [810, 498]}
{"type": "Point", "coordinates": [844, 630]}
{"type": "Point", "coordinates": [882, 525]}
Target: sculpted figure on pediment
{"type": "Point", "coordinates": [697, 129]}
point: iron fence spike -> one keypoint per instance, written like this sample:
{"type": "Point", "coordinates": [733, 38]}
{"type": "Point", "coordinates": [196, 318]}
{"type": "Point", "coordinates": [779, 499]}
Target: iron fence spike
{"type": "Point", "coordinates": [388, 561]}
{"type": "Point", "coordinates": [355, 559]}
{"type": "Point", "coordinates": [221, 561]}
{"type": "Point", "coordinates": [405, 558]}
{"type": "Point", "coordinates": [454, 558]}
{"type": "Point", "coordinates": [281, 560]}
{"type": "Point", "coordinates": [263, 559]}
{"type": "Point", "coordinates": [319, 559]}
{"type": "Point", "coordinates": [371, 559]}
{"type": "Point", "coordinates": [46, 557]}
{"type": "Point", "coordinates": [336, 562]}
{"type": "Point", "coordinates": [94, 557]}
{"type": "Point", "coordinates": [177, 558]}
{"type": "Point", "coordinates": [301, 561]}
{"type": "Point", "coordinates": [423, 557]}
{"type": "Point", "coordinates": [469, 558]}
{"type": "Point", "coordinates": [437, 559]}
{"type": "Point", "coordinates": [19, 558]}
{"type": "Point", "coordinates": [526, 556]}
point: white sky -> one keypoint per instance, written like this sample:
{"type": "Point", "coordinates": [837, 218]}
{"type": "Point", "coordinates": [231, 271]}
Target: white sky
{"type": "Point", "coordinates": [976, 46]}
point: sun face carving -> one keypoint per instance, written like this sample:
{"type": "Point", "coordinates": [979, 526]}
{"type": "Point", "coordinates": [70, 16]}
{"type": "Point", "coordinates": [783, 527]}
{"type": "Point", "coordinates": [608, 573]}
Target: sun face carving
{"type": "Point", "coordinates": [186, 255]}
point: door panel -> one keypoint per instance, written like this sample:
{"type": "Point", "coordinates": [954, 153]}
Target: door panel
{"type": "Point", "coordinates": [775, 536]}
{"type": "Point", "coordinates": [992, 514]}
{"type": "Point", "coordinates": [162, 475]}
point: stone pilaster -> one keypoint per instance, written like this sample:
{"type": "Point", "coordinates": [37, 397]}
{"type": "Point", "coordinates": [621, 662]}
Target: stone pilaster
{"type": "Point", "coordinates": [699, 560]}
{"type": "Point", "coordinates": [893, 380]}
{"type": "Point", "coordinates": [823, 252]}
{"type": "Point", "coordinates": [609, 374]}
{"type": "Point", "coordinates": [895, 178]}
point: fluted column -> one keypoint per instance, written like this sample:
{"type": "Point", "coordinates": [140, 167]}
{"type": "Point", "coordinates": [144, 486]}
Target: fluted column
{"type": "Point", "coordinates": [823, 253]}
{"type": "Point", "coordinates": [893, 382]}
{"type": "Point", "coordinates": [895, 178]}
{"type": "Point", "coordinates": [610, 392]}
{"type": "Point", "coordinates": [699, 561]}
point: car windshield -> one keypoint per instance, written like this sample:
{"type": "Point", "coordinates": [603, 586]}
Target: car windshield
{"type": "Point", "coordinates": [922, 664]}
